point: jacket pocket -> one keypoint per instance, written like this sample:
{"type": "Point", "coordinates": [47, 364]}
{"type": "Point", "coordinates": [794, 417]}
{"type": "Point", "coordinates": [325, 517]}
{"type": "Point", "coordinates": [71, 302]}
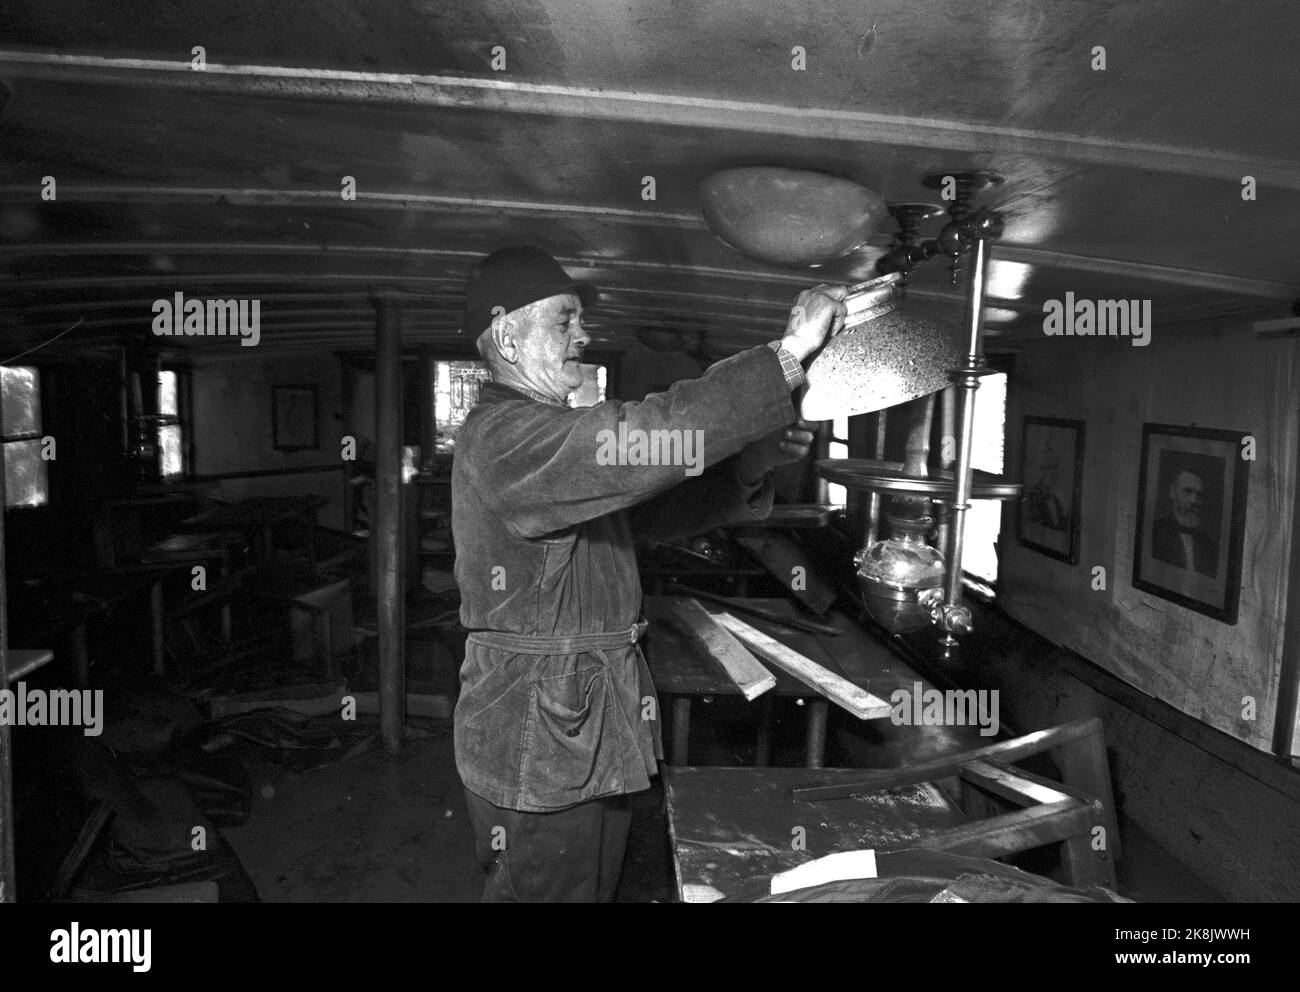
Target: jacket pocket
{"type": "Point", "coordinates": [562, 759]}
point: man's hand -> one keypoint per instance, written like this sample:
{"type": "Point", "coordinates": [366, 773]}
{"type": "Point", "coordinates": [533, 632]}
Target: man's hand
{"type": "Point", "coordinates": [782, 447]}
{"type": "Point", "coordinates": [818, 314]}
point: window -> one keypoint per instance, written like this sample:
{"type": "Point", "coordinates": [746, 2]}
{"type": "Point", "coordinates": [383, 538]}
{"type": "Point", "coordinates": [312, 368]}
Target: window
{"type": "Point", "coordinates": [455, 391]}
{"type": "Point", "coordinates": [26, 472]}
{"type": "Point", "coordinates": [838, 495]}
{"type": "Point", "coordinates": [171, 438]}
{"type": "Point", "coordinates": [984, 518]}
{"type": "Point", "coordinates": [592, 390]}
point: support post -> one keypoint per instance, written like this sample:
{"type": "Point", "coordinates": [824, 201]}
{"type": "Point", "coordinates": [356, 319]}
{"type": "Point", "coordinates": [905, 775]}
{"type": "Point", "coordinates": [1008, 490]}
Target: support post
{"type": "Point", "coordinates": [7, 872]}
{"type": "Point", "coordinates": [967, 381]}
{"type": "Point", "coordinates": [389, 587]}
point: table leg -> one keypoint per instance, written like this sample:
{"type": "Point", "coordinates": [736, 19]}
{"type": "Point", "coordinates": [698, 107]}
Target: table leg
{"type": "Point", "coordinates": [81, 655]}
{"type": "Point", "coordinates": [681, 728]}
{"type": "Point", "coordinates": [815, 742]}
{"type": "Point", "coordinates": [156, 618]}
{"type": "Point", "coordinates": [766, 719]}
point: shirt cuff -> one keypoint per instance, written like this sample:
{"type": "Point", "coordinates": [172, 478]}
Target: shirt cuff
{"type": "Point", "coordinates": [794, 374]}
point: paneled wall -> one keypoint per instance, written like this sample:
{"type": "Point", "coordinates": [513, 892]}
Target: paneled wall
{"type": "Point", "coordinates": [1207, 378]}
{"type": "Point", "coordinates": [232, 430]}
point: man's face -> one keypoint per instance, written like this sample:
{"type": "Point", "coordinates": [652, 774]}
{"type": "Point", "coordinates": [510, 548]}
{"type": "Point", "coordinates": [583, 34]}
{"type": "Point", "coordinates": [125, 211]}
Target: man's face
{"type": "Point", "coordinates": [551, 341]}
{"type": "Point", "coordinates": [1186, 496]}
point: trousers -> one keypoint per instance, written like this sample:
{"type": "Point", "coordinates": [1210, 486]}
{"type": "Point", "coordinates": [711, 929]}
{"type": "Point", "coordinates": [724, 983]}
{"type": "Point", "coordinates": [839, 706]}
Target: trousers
{"type": "Point", "coordinates": [571, 855]}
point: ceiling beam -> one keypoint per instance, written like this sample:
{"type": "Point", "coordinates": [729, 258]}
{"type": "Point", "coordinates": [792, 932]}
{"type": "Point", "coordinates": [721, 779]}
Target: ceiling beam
{"type": "Point", "coordinates": [1127, 268]}
{"type": "Point", "coordinates": [409, 202]}
{"type": "Point", "coordinates": [504, 96]}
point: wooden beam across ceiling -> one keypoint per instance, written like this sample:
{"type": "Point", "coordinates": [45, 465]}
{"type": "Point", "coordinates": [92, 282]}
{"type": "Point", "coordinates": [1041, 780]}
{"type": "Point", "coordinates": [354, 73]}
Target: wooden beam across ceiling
{"type": "Point", "coordinates": [507, 96]}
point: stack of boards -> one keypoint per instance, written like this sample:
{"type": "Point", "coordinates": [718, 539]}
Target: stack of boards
{"type": "Point", "coordinates": [730, 642]}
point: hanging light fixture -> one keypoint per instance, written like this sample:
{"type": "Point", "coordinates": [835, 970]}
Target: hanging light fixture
{"type": "Point", "coordinates": [885, 357]}
{"type": "Point", "coordinates": [790, 217]}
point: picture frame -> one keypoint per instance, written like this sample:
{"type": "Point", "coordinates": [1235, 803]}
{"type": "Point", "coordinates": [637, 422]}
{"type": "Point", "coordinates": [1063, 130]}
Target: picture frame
{"type": "Point", "coordinates": [1191, 517]}
{"type": "Point", "coordinates": [1051, 465]}
{"type": "Point", "coordinates": [294, 418]}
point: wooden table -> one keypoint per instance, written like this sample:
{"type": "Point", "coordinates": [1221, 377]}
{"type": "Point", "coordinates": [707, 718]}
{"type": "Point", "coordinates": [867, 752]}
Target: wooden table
{"type": "Point", "coordinates": [257, 517]}
{"type": "Point", "coordinates": [683, 671]}
{"type": "Point", "coordinates": [733, 828]}
{"type": "Point", "coordinates": [63, 606]}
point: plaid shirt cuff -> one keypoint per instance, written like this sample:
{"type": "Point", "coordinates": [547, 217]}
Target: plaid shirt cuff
{"type": "Point", "coordinates": [794, 375]}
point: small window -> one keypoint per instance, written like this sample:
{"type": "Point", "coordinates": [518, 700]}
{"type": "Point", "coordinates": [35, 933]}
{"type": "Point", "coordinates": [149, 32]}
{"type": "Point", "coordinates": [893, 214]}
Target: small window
{"type": "Point", "coordinates": [592, 390]}
{"type": "Point", "coordinates": [984, 518]}
{"type": "Point", "coordinates": [171, 435]}
{"type": "Point", "coordinates": [455, 392]}
{"type": "Point", "coordinates": [26, 472]}
{"type": "Point", "coordinates": [836, 494]}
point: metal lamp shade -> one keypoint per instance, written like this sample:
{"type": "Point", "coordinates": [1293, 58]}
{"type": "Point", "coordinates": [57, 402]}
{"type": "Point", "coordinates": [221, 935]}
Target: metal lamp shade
{"type": "Point", "coordinates": [789, 217]}
{"type": "Point", "coordinates": [887, 360]}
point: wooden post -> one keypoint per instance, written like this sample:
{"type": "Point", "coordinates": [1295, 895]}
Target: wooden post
{"type": "Point", "coordinates": [389, 592]}
{"type": "Point", "coordinates": [428, 366]}
{"type": "Point", "coordinates": [157, 628]}
{"type": "Point", "coordinates": [7, 873]}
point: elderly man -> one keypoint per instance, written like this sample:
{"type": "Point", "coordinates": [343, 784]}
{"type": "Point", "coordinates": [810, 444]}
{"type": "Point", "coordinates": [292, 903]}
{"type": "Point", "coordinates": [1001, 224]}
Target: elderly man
{"type": "Point", "coordinates": [1178, 538]}
{"type": "Point", "coordinates": [557, 719]}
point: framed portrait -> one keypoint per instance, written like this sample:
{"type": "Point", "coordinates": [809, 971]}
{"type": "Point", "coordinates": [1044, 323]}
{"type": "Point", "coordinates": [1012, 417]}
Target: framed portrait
{"type": "Point", "coordinates": [1191, 517]}
{"type": "Point", "coordinates": [1051, 467]}
{"type": "Point", "coordinates": [293, 418]}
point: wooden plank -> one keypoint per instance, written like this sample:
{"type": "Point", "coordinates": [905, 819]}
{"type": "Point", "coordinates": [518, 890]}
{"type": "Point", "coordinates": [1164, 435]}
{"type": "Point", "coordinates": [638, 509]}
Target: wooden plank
{"type": "Point", "coordinates": [1011, 784]}
{"type": "Point", "coordinates": [751, 678]}
{"type": "Point", "coordinates": [840, 691]}
{"type": "Point", "coordinates": [1012, 832]}
{"type": "Point", "coordinates": [1012, 750]}
{"type": "Point", "coordinates": [23, 661]}
{"type": "Point", "coordinates": [314, 699]}
{"type": "Point", "coordinates": [747, 606]}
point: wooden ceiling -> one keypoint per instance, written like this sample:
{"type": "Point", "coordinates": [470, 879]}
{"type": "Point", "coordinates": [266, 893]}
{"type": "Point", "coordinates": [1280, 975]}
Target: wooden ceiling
{"type": "Point", "coordinates": [1122, 183]}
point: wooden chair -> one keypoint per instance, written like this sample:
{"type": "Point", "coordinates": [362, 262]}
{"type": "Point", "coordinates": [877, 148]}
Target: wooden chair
{"type": "Point", "coordinates": [1078, 814]}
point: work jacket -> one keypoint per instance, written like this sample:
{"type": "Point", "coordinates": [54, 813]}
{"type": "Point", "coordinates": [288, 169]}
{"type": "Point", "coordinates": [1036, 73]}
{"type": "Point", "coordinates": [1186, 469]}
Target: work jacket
{"type": "Point", "coordinates": [556, 704]}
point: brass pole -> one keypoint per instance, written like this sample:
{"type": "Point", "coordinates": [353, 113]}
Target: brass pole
{"type": "Point", "coordinates": [967, 381]}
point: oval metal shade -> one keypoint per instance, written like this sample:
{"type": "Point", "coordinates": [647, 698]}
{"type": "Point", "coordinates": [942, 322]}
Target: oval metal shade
{"type": "Point", "coordinates": [789, 217]}
{"type": "Point", "coordinates": [885, 361]}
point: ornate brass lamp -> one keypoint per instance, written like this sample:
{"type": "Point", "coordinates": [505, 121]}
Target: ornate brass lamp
{"type": "Point", "coordinates": [886, 357]}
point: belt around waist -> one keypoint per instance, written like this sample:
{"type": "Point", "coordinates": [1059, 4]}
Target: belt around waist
{"type": "Point", "coordinates": [561, 644]}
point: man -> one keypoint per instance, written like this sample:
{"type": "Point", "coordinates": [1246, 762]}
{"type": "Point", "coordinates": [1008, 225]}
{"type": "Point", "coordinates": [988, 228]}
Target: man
{"type": "Point", "coordinates": [1177, 539]}
{"type": "Point", "coordinates": [1042, 504]}
{"type": "Point", "coordinates": [557, 719]}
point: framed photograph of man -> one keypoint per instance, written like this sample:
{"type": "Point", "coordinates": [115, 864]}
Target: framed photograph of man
{"type": "Point", "coordinates": [294, 425]}
{"type": "Point", "coordinates": [1191, 517]}
{"type": "Point", "coordinates": [1051, 466]}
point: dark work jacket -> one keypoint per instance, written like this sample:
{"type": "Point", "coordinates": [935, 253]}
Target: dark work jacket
{"type": "Point", "coordinates": [1166, 546]}
{"type": "Point", "coordinates": [544, 546]}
